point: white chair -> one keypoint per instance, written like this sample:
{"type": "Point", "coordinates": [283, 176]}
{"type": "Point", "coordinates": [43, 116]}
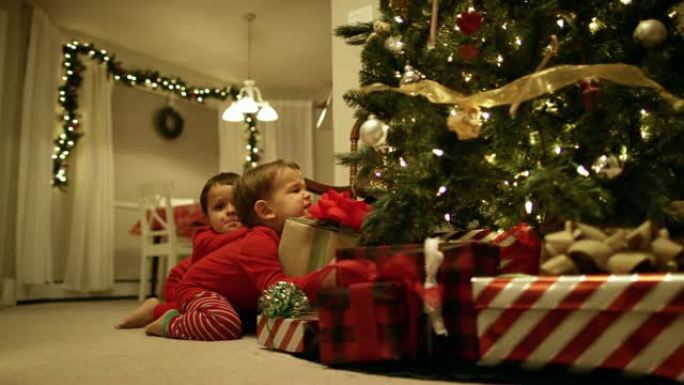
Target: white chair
{"type": "Point", "coordinates": [158, 235]}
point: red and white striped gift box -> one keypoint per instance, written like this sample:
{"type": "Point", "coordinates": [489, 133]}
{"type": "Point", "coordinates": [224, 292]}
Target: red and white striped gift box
{"type": "Point", "coordinates": [294, 335]}
{"type": "Point", "coordinates": [633, 323]}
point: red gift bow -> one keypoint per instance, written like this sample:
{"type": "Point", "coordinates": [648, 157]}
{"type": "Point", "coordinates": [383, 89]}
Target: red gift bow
{"type": "Point", "coordinates": [341, 209]}
{"type": "Point", "coordinates": [356, 275]}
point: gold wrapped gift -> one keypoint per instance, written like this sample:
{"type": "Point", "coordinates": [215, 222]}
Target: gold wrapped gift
{"type": "Point", "coordinates": [307, 245]}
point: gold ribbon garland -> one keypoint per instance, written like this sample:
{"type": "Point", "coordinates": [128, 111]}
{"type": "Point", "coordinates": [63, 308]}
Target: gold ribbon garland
{"type": "Point", "coordinates": [531, 86]}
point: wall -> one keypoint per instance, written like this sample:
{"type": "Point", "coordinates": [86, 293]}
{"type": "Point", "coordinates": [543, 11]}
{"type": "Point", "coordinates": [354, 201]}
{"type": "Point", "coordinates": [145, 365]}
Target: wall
{"type": "Point", "coordinates": [14, 30]}
{"type": "Point", "coordinates": [142, 155]}
{"type": "Point", "coordinates": [346, 61]}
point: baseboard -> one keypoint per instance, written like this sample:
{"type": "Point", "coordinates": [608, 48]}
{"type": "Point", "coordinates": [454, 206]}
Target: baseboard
{"type": "Point", "coordinates": [58, 291]}
{"type": "Point", "coordinates": [8, 292]}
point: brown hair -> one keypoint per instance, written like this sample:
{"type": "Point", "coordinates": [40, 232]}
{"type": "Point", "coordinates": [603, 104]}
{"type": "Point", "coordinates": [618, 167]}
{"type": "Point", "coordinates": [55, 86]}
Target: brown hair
{"type": "Point", "coordinates": [223, 178]}
{"type": "Point", "coordinates": [255, 184]}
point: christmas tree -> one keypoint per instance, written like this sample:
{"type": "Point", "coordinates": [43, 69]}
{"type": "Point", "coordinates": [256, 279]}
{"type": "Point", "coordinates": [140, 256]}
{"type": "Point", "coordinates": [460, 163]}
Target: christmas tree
{"type": "Point", "coordinates": [488, 113]}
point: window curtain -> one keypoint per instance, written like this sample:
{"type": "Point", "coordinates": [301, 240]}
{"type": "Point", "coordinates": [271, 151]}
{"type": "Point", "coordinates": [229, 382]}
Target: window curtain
{"type": "Point", "coordinates": [90, 256]}
{"type": "Point", "coordinates": [290, 137]}
{"type": "Point", "coordinates": [232, 143]}
{"type": "Point", "coordinates": [38, 127]}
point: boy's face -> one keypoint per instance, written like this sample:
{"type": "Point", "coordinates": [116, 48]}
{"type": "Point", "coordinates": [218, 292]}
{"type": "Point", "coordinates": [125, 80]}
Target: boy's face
{"type": "Point", "coordinates": [289, 197]}
{"type": "Point", "coordinates": [220, 209]}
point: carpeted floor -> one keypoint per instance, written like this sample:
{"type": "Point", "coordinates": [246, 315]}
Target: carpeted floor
{"type": "Point", "coordinates": [72, 343]}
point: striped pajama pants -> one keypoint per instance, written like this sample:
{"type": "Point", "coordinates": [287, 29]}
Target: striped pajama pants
{"type": "Point", "coordinates": [206, 317]}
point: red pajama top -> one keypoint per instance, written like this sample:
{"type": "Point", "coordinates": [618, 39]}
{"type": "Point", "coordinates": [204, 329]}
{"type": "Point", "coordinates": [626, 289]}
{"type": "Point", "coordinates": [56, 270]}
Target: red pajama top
{"type": "Point", "coordinates": [205, 240]}
{"type": "Point", "coordinates": [241, 270]}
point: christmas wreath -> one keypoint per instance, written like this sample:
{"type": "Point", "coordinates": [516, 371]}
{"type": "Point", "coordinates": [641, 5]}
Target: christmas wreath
{"type": "Point", "coordinates": [169, 123]}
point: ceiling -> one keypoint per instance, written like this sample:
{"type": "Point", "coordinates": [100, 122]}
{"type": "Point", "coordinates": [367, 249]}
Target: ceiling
{"type": "Point", "coordinates": [290, 40]}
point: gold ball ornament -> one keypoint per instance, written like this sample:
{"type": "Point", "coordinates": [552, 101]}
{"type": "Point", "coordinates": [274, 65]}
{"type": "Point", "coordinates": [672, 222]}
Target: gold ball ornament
{"type": "Point", "coordinates": [373, 132]}
{"type": "Point", "coordinates": [381, 27]}
{"type": "Point", "coordinates": [466, 122]}
{"type": "Point", "coordinates": [651, 33]}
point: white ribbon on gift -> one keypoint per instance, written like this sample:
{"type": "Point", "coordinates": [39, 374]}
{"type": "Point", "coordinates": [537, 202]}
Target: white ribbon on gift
{"type": "Point", "coordinates": [433, 260]}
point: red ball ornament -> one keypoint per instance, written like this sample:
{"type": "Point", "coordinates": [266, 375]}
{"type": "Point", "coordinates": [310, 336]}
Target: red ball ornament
{"type": "Point", "coordinates": [590, 92]}
{"type": "Point", "coordinates": [469, 22]}
{"type": "Point", "coordinates": [468, 52]}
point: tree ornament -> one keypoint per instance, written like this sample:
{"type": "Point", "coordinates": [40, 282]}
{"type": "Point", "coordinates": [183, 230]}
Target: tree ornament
{"type": "Point", "coordinates": [400, 5]}
{"type": "Point", "coordinates": [468, 52]}
{"type": "Point", "coordinates": [411, 75]}
{"type": "Point", "coordinates": [465, 122]}
{"type": "Point", "coordinates": [283, 299]}
{"type": "Point", "coordinates": [373, 132]}
{"type": "Point", "coordinates": [381, 27]}
{"type": "Point", "coordinates": [607, 166]}
{"type": "Point", "coordinates": [650, 33]}
{"type": "Point", "coordinates": [677, 13]}
{"type": "Point", "coordinates": [469, 22]}
{"type": "Point", "coordinates": [394, 44]}
{"type": "Point", "coordinates": [590, 92]}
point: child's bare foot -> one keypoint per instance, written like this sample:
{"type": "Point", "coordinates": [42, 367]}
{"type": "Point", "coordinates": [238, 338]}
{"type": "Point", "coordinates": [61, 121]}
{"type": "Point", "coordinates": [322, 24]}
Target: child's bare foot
{"type": "Point", "coordinates": [140, 316]}
{"type": "Point", "coordinates": [156, 328]}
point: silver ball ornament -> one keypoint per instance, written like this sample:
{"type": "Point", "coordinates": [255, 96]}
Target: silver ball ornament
{"type": "Point", "coordinates": [394, 44]}
{"type": "Point", "coordinates": [373, 132]}
{"type": "Point", "coordinates": [410, 75]}
{"type": "Point", "coordinates": [651, 33]}
{"type": "Point", "coordinates": [607, 166]}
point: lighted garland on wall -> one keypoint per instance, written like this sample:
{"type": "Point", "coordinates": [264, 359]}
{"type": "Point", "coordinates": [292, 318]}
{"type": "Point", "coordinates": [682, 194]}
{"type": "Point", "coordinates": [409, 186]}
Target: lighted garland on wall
{"type": "Point", "coordinates": [252, 134]}
{"type": "Point", "coordinates": [68, 96]}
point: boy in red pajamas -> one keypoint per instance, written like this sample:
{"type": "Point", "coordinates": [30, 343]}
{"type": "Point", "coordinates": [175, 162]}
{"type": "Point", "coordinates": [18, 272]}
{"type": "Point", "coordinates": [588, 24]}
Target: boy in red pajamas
{"type": "Point", "coordinates": [216, 201]}
{"type": "Point", "coordinates": [229, 280]}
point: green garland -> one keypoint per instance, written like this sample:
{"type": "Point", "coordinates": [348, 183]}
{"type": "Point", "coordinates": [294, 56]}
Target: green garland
{"type": "Point", "coordinates": [68, 96]}
{"type": "Point", "coordinates": [252, 134]}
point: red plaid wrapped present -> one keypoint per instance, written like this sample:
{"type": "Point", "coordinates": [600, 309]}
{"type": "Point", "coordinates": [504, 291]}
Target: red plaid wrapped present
{"type": "Point", "coordinates": [366, 322]}
{"type": "Point", "coordinates": [294, 335]}
{"type": "Point", "coordinates": [520, 246]}
{"type": "Point", "coordinates": [462, 261]}
{"type": "Point", "coordinates": [628, 322]}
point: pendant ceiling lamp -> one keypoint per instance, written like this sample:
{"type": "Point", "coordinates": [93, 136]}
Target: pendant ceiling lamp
{"type": "Point", "coordinates": [249, 100]}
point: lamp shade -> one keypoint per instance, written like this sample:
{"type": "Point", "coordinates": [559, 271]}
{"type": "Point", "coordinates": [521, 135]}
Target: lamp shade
{"type": "Point", "coordinates": [267, 113]}
{"type": "Point", "coordinates": [232, 114]}
{"type": "Point", "coordinates": [247, 105]}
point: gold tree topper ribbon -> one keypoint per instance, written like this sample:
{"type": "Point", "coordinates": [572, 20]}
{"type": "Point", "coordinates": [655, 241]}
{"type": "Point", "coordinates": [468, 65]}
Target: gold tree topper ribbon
{"type": "Point", "coordinates": [531, 86]}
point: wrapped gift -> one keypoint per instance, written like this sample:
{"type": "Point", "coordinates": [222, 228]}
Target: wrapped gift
{"type": "Point", "coordinates": [286, 322]}
{"type": "Point", "coordinates": [584, 249]}
{"type": "Point", "coordinates": [628, 322]}
{"type": "Point", "coordinates": [307, 245]}
{"type": "Point", "coordinates": [519, 246]}
{"type": "Point", "coordinates": [461, 261]}
{"type": "Point", "coordinates": [363, 323]}
{"type": "Point", "coordinates": [294, 335]}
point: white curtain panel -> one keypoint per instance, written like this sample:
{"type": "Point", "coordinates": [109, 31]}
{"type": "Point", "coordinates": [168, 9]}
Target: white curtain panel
{"type": "Point", "coordinates": [291, 136]}
{"type": "Point", "coordinates": [90, 257]}
{"type": "Point", "coordinates": [232, 150]}
{"type": "Point", "coordinates": [38, 128]}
